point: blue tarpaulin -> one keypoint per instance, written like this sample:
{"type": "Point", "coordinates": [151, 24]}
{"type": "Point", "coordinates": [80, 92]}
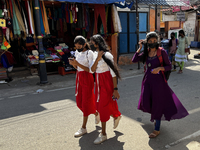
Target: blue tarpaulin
{"type": "Point", "coordinates": [92, 1]}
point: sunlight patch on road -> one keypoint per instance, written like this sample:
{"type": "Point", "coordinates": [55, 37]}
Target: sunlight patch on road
{"type": "Point", "coordinates": [58, 104]}
{"type": "Point", "coordinates": [194, 145]}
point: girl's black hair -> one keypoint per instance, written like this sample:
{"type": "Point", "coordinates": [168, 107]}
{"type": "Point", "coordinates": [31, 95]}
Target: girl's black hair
{"type": "Point", "coordinates": [81, 40]}
{"type": "Point", "coordinates": [148, 37]}
{"type": "Point", "coordinates": [170, 41]}
{"type": "Point", "coordinates": [181, 31]}
{"type": "Point", "coordinates": [99, 40]}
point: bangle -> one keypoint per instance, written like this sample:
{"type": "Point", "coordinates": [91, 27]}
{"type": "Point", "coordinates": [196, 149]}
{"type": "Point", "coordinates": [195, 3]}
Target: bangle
{"type": "Point", "coordinates": [116, 88]}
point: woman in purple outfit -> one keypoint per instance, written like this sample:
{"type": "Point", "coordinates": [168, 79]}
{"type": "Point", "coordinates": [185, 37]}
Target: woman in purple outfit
{"type": "Point", "coordinates": [157, 98]}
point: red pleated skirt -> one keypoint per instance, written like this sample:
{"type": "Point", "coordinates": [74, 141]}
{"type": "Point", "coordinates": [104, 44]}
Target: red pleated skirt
{"type": "Point", "coordinates": [85, 98]}
{"type": "Point", "coordinates": [104, 89]}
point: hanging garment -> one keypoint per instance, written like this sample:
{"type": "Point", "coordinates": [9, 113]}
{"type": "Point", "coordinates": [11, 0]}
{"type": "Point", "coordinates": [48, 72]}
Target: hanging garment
{"type": "Point", "coordinates": [74, 13]}
{"type": "Point", "coordinates": [20, 20]}
{"type": "Point", "coordinates": [10, 58]}
{"type": "Point", "coordinates": [27, 16]}
{"type": "Point", "coordinates": [8, 34]}
{"type": "Point", "coordinates": [99, 10]}
{"type": "Point", "coordinates": [41, 22]}
{"type": "Point", "coordinates": [64, 25]}
{"type": "Point", "coordinates": [30, 17]}
{"type": "Point", "coordinates": [5, 62]}
{"type": "Point", "coordinates": [16, 28]}
{"type": "Point", "coordinates": [42, 11]}
{"type": "Point", "coordinates": [25, 22]}
{"type": "Point", "coordinates": [11, 8]}
{"type": "Point", "coordinates": [71, 17]}
{"type": "Point", "coordinates": [8, 8]}
{"type": "Point", "coordinates": [45, 19]}
{"type": "Point", "coordinates": [31, 7]}
{"type": "Point", "coordinates": [67, 13]}
{"type": "Point", "coordinates": [63, 5]}
{"type": "Point", "coordinates": [116, 20]}
{"type": "Point", "coordinates": [80, 18]}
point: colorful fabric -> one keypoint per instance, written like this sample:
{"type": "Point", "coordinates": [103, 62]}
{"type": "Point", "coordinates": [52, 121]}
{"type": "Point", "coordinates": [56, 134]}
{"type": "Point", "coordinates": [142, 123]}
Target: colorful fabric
{"type": "Point", "coordinates": [16, 28]}
{"type": "Point", "coordinates": [45, 19]}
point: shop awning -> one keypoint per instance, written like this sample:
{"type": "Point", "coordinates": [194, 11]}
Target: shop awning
{"type": "Point", "coordinates": [92, 1]}
{"type": "Point", "coordinates": [162, 2]}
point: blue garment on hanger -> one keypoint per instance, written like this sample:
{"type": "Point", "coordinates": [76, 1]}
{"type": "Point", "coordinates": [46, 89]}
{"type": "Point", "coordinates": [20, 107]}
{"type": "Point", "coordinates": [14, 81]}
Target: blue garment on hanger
{"type": "Point", "coordinates": [5, 62]}
{"type": "Point", "coordinates": [41, 22]}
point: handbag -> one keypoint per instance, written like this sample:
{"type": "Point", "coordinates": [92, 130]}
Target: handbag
{"type": "Point", "coordinates": [187, 50]}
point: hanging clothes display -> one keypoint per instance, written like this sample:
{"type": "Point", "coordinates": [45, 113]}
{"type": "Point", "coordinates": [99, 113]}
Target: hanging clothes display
{"type": "Point", "coordinates": [59, 23]}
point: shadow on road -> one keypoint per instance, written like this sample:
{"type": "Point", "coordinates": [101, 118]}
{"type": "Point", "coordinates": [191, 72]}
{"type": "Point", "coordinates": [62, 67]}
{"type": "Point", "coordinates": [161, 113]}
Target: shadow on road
{"type": "Point", "coordinates": [86, 141]}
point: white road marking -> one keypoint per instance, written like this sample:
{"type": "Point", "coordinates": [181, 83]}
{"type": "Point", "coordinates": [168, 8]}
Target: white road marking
{"type": "Point", "coordinates": [61, 89]}
{"type": "Point", "coordinates": [16, 96]}
{"type": "Point", "coordinates": [194, 111]}
{"type": "Point", "coordinates": [132, 77]}
{"type": "Point", "coordinates": [1, 99]}
{"type": "Point", "coordinates": [195, 134]}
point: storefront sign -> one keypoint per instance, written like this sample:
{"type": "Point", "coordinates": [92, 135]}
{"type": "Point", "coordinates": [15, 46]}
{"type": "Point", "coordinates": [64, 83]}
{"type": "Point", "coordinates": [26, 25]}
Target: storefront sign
{"type": "Point", "coordinates": [180, 16]}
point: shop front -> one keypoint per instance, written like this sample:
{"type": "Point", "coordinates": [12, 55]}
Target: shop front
{"type": "Point", "coordinates": [60, 23]}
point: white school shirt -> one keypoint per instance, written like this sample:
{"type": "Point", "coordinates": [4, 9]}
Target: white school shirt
{"type": "Point", "coordinates": [85, 58]}
{"type": "Point", "coordinates": [102, 65]}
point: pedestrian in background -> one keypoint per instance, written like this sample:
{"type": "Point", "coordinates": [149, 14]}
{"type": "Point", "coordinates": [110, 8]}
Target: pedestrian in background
{"type": "Point", "coordinates": [157, 98]}
{"type": "Point", "coordinates": [181, 56]}
{"type": "Point", "coordinates": [173, 46]}
{"type": "Point", "coordinates": [85, 97]}
{"type": "Point", "coordinates": [106, 91]}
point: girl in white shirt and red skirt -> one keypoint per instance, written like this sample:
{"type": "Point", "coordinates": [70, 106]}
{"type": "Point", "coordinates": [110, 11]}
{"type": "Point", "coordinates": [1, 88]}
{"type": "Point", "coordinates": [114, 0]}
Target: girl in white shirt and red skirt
{"type": "Point", "coordinates": [85, 97]}
{"type": "Point", "coordinates": [106, 91]}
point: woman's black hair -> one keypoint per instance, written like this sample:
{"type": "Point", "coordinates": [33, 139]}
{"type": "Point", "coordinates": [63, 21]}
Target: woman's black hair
{"type": "Point", "coordinates": [81, 41]}
{"type": "Point", "coordinates": [182, 32]}
{"type": "Point", "coordinates": [99, 40]}
{"type": "Point", "coordinates": [170, 41]}
{"type": "Point", "coordinates": [173, 33]}
{"type": "Point", "coordinates": [148, 37]}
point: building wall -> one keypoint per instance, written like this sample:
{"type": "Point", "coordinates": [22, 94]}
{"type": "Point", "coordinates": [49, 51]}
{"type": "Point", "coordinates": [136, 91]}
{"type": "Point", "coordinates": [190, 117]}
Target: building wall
{"type": "Point", "coordinates": [152, 19]}
{"type": "Point", "coordinates": [189, 26]}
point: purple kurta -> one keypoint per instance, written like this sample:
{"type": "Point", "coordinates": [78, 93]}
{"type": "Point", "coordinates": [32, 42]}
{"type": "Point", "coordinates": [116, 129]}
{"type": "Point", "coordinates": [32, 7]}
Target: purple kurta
{"type": "Point", "coordinates": [157, 98]}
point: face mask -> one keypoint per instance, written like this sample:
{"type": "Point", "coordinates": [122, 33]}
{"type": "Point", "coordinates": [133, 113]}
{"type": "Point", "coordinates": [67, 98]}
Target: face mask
{"type": "Point", "coordinates": [172, 37]}
{"type": "Point", "coordinates": [92, 47]}
{"type": "Point", "coordinates": [80, 50]}
{"type": "Point", "coordinates": [152, 45]}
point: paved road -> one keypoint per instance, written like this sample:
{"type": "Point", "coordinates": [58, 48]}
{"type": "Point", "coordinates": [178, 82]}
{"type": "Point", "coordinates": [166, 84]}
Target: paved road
{"type": "Point", "coordinates": [48, 121]}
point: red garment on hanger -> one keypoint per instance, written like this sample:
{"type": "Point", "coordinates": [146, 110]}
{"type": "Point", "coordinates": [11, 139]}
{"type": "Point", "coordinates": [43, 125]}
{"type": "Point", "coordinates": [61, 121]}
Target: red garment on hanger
{"type": "Point", "coordinates": [99, 9]}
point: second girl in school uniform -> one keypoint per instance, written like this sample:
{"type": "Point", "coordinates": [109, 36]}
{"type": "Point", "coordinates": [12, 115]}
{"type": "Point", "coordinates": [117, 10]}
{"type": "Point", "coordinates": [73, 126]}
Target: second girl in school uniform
{"type": "Point", "coordinates": [106, 91]}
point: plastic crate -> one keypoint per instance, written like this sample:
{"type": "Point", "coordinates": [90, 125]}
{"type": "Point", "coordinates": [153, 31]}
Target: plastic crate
{"type": "Point", "coordinates": [194, 44]}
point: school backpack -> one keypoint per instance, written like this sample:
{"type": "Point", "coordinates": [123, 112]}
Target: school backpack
{"type": "Point", "coordinates": [166, 74]}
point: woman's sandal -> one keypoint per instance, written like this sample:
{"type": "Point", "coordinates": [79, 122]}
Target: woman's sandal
{"type": "Point", "coordinates": [154, 134]}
